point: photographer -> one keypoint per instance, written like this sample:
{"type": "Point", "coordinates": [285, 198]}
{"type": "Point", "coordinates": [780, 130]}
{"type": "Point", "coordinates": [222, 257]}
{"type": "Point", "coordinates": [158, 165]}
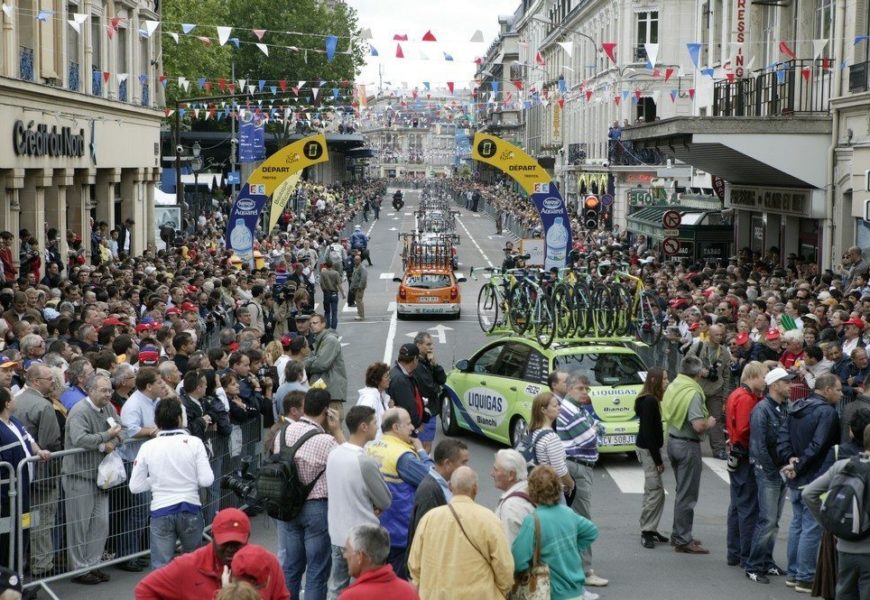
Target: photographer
{"type": "Point", "coordinates": [715, 360]}
{"type": "Point", "coordinates": [282, 309]}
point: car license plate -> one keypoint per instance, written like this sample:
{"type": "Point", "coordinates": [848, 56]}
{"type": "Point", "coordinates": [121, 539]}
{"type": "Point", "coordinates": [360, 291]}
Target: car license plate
{"type": "Point", "coordinates": [618, 440]}
{"type": "Point", "coordinates": [428, 299]}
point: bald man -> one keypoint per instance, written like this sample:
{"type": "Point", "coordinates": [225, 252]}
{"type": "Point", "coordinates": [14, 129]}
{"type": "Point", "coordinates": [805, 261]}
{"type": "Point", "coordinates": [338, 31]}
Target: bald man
{"type": "Point", "coordinates": [461, 546]}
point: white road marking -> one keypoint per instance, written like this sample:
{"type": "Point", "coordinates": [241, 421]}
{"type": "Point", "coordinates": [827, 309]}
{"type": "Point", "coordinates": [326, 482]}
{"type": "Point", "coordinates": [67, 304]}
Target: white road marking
{"type": "Point", "coordinates": [386, 275]}
{"type": "Point", "coordinates": [391, 214]}
{"type": "Point", "coordinates": [718, 467]}
{"type": "Point", "coordinates": [391, 334]}
{"type": "Point", "coordinates": [391, 307]}
{"type": "Point", "coordinates": [408, 214]}
{"type": "Point", "coordinates": [628, 478]}
{"type": "Point", "coordinates": [485, 320]}
{"type": "Point", "coordinates": [474, 241]}
{"type": "Point", "coordinates": [393, 229]}
{"type": "Point", "coordinates": [348, 309]}
{"type": "Point", "coordinates": [440, 332]}
{"type": "Point", "coordinates": [475, 215]}
{"type": "Point", "coordinates": [369, 232]}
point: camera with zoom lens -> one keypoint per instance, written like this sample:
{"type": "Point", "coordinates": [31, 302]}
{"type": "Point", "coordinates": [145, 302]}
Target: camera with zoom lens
{"type": "Point", "coordinates": [243, 484]}
{"type": "Point", "coordinates": [713, 371]}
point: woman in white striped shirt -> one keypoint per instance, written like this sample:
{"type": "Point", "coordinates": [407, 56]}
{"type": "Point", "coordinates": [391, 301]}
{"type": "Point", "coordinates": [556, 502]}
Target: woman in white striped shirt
{"type": "Point", "coordinates": [548, 448]}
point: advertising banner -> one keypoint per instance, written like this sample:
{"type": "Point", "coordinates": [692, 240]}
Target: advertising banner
{"type": "Point", "coordinates": [262, 183]}
{"type": "Point", "coordinates": [252, 137]}
{"type": "Point", "coordinates": [535, 180]}
{"type": "Point", "coordinates": [281, 197]}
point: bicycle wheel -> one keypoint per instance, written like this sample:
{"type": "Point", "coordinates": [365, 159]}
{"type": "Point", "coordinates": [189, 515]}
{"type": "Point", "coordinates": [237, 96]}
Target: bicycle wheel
{"type": "Point", "coordinates": [602, 310]}
{"type": "Point", "coordinates": [488, 308]}
{"type": "Point", "coordinates": [563, 310]}
{"type": "Point", "coordinates": [648, 329]}
{"type": "Point", "coordinates": [622, 301]}
{"type": "Point", "coordinates": [519, 309]}
{"type": "Point", "coordinates": [544, 321]}
{"type": "Point", "coordinates": [582, 310]}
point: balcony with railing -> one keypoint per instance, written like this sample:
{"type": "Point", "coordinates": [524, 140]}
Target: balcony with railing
{"type": "Point", "coordinates": [72, 78]}
{"type": "Point", "coordinates": [96, 81]}
{"type": "Point", "coordinates": [627, 154]}
{"type": "Point", "coordinates": [25, 63]}
{"type": "Point", "coordinates": [796, 87]}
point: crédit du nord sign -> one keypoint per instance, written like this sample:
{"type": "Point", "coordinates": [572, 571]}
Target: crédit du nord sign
{"type": "Point", "coordinates": [40, 141]}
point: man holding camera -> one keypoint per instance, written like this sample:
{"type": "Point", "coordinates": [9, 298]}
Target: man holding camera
{"type": "Point", "coordinates": [715, 360]}
{"type": "Point", "coordinates": [404, 389]}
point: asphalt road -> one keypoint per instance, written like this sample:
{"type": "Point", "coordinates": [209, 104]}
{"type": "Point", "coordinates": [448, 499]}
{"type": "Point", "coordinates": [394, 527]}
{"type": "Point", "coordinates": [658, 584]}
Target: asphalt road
{"type": "Point", "coordinates": [634, 572]}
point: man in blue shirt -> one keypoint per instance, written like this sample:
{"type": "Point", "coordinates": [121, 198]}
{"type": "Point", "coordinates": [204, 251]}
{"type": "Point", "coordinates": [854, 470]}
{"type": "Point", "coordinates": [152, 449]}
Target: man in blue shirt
{"type": "Point", "coordinates": [78, 371]}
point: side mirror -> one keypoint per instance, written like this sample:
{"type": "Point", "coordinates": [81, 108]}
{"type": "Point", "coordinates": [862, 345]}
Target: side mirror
{"type": "Point", "coordinates": [462, 280]}
{"type": "Point", "coordinates": [462, 365]}
{"type": "Point", "coordinates": [397, 279]}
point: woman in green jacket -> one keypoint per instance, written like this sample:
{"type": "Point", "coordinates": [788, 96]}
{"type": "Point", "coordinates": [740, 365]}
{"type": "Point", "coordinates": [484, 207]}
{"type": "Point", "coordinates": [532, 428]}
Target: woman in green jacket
{"type": "Point", "coordinates": [564, 534]}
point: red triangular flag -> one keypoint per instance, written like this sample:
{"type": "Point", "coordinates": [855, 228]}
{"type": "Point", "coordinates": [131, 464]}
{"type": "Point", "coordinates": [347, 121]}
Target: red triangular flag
{"type": "Point", "coordinates": [110, 31]}
{"type": "Point", "coordinates": [106, 76]}
{"type": "Point", "coordinates": [805, 73]}
{"type": "Point", "coordinates": [609, 48]}
{"type": "Point", "coordinates": [729, 76]}
{"type": "Point", "coordinates": [161, 78]}
{"type": "Point", "coordinates": [518, 84]}
{"type": "Point", "coordinates": [282, 83]}
{"type": "Point", "coordinates": [561, 102]}
{"type": "Point", "coordinates": [588, 95]}
{"type": "Point", "coordinates": [115, 22]}
{"type": "Point", "coordinates": [783, 47]}
{"type": "Point", "coordinates": [204, 40]}
{"type": "Point", "coordinates": [692, 93]}
{"type": "Point", "coordinates": [344, 83]}
{"type": "Point", "coordinates": [637, 94]}
{"type": "Point", "coordinates": [616, 100]}
{"type": "Point", "coordinates": [826, 63]}
{"type": "Point", "coordinates": [259, 33]}
{"type": "Point", "coordinates": [399, 53]}
{"type": "Point", "coordinates": [400, 37]}
{"type": "Point", "coordinates": [222, 84]}
{"type": "Point", "coordinates": [232, 88]}
{"type": "Point", "coordinates": [450, 86]}
{"type": "Point", "coordinates": [429, 37]}
{"type": "Point", "coordinates": [207, 87]}
{"type": "Point", "coordinates": [295, 90]}
{"type": "Point", "coordinates": [656, 73]}
{"type": "Point", "coordinates": [414, 94]}
{"type": "Point", "coordinates": [167, 112]}
{"type": "Point", "coordinates": [478, 61]}
{"type": "Point", "coordinates": [539, 58]}
{"type": "Point", "coordinates": [668, 72]}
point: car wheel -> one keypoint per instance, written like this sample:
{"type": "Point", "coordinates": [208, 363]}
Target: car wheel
{"type": "Point", "coordinates": [518, 431]}
{"type": "Point", "coordinates": [401, 316]}
{"type": "Point", "coordinates": [457, 315]}
{"type": "Point", "coordinates": [448, 420]}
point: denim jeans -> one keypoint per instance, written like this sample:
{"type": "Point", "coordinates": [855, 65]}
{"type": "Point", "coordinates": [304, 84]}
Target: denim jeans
{"type": "Point", "coordinates": [804, 535]}
{"type": "Point", "coordinates": [771, 498]}
{"type": "Point", "coordinates": [339, 577]}
{"type": "Point", "coordinates": [165, 531]}
{"type": "Point", "coordinates": [307, 551]}
{"type": "Point", "coordinates": [330, 309]}
{"type": "Point", "coordinates": [742, 513]}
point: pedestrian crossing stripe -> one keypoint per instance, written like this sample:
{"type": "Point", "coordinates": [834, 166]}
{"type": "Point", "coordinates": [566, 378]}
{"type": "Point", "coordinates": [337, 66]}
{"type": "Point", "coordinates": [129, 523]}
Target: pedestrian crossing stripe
{"type": "Point", "coordinates": [718, 467]}
{"type": "Point", "coordinates": [629, 477]}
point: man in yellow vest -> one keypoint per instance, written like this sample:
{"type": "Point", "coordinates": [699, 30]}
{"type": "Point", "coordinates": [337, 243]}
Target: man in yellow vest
{"type": "Point", "coordinates": [403, 464]}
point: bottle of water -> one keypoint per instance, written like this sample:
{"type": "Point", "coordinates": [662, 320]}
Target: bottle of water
{"type": "Point", "coordinates": [241, 239]}
{"type": "Point", "coordinates": [557, 242]}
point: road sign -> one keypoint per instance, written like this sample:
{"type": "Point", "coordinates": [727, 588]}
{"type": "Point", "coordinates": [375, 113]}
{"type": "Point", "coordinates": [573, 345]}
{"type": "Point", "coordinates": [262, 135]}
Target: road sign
{"type": "Point", "coordinates": [606, 200]}
{"type": "Point", "coordinates": [671, 219]}
{"type": "Point", "coordinates": [671, 246]}
{"type": "Point", "coordinates": [671, 233]}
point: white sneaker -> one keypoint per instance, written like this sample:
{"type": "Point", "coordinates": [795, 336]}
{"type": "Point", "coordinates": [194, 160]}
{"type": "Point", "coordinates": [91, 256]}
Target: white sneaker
{"type": "Point", "coordinates": [587, 595]}
{"type": "Point", "coordinates": [595, 581]}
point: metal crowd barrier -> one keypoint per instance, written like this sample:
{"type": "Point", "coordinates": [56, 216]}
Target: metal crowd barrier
{"type": "Point", "coordinates": [65, 526]}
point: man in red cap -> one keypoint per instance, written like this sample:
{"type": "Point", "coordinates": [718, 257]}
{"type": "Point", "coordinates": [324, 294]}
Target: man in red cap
{"type": "Point", "coordinates": [198, 574]}
{"type": "Point", "coordinates": [260, 568]}
{"type": "Point", "coordinates": [852, 330]}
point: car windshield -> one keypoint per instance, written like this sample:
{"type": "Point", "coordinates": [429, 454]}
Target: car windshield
{"type": "Point", "coordinates": [428, 281]}
{"type": "Point", "coordinates": [604, 369]}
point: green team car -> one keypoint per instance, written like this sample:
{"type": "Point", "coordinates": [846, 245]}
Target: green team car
{"type": "Point", "coordinates": [491, 393]}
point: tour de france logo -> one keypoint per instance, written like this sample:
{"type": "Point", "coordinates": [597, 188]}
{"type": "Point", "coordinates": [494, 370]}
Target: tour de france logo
{"type": "Point", "coordinates": [487, 148]}
{"type": "Point", "coordinates": [312, 150]}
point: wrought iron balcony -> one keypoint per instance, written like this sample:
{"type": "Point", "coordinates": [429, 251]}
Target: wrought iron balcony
{"type": "Point", "coordinates": [73, 81]}
{"type": "Point", "coordinates": [624, 153]}
{"type": "Point", "coordinates": [794, 87]}
{"type": "Point", "coordinates": [25, 63]}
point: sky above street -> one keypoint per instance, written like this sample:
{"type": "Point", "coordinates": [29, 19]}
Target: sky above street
{"type": "Point", "coordinates": [452, 22]}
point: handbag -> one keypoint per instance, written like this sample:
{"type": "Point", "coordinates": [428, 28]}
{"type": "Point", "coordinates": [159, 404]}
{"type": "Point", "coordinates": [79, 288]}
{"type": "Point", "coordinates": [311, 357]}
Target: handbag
{"type": "Point", "coordinates": [482, 555]}
{"type": "Point", "coordinates": [534, 583]}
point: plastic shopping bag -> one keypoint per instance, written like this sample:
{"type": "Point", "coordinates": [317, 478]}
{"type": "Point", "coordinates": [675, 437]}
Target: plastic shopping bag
{"type": "Point", "coordinates": [111, 471]}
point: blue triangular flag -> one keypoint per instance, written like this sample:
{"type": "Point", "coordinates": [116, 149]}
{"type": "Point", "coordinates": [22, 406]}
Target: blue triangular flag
{"type": "Point", "coordinates": [708, 71]}
{"type": "Point", "coordinates": [331, 43]}
{"type": "Point", "coordinates": [625, 94]}
{"type": "Point", "coordinates": [261, 84]}
{"type": "Point", "coordinates": [235, 41]}
{"type": "Point", "coordinates": [187, 27]}
{"type": "Point", "coordinates": [780, 76]}
{"type": "Point", "coordinates": [694, 52]}
{"type": "Point", "coordinates": [494, 85]}
{"type": "Point", "coordinates": [373, 51]}
{"type": "Point", "coordinates": [861, 38]}
{"type": "Point", "coordinates": [273, 89]}
{"type": "Point", "coordinates": [201, 82]}
{"type": "Point", "coordinates": [43, 15]}
{"type": "Point", "coordinates": [563, 87]}
{"type": "Point", "coordinates": [448, 57]}
{"type": "Point", "coordinates": [335, 93]}
{"type": "Point", "coordinates": [143, 78]}
{"type": "Point", "coordinates": [426, 85]}
{"type": "Point", "coordinates": [181, 112]}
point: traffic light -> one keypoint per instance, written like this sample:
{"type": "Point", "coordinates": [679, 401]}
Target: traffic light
{"type": "Point", "coordinates": [591, 206]}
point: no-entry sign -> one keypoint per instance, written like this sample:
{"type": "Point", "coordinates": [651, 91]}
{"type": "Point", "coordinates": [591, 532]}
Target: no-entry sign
{"type": "Point", "coordinates": [671, 219]}
{"type": "Point", "coordinates": [671, 246]}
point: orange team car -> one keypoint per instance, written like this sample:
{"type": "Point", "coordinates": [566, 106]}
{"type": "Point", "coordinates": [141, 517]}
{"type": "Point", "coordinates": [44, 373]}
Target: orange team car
{"type": "Point", "coordinates": [429, 286]}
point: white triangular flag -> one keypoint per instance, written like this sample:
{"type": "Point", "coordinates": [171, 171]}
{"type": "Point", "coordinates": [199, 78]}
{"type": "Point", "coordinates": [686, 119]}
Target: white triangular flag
{"type": "Point", "coordinates": [301, 84]}
{"type": "Point", "coordinates": [477, 37]}
{"type": "Point", "coordinates": [242, 84]}
{"type": "Point", "coordinates": [264, 48]}
{"type": "Point", "coordinates": [252, 89]}
{"type": "Point", "coordinates": [568, 47]}
{"type": "Point", "coordinates": [366, 34]}
{"type": "Point", "coordinates": [819, 47]}
{"type": "Point", "coordinates": [174, 36]}
{"type": "Point", "coordinates": [195, 113]}
{"type": "Point", "coordinates": [652, 53]}
{"type": "Point", "coordinates": [9, 11]}
{"type": "Point", "coordinates": [121, 77]}
{"type": "Point", "coordinates": [314, 91]}
{"type": "Point", "coordinates": [224, 34]}
{"type": "Point", "coordinates": [150, 27]}
{"type": "Point", "coordinates": [185, 84]}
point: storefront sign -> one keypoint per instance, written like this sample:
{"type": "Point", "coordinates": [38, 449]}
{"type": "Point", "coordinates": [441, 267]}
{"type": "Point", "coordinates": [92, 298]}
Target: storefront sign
{"type": "Point", "coordinates": [686, 250]}
{"type": "Point", "coordinates": [647, 198]}
{"type": "Point", "coordinates": [38, 140]}
{"type": "Point", "coordinates": [739, 36]}
{"type": "Point", "coordinates": [779, 200]}
{"type": "Point", "coordinates": [713, 251]}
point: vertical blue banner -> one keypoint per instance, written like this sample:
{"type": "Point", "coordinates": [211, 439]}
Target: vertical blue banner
{"type": "Point", "coordinates": [242, 225]}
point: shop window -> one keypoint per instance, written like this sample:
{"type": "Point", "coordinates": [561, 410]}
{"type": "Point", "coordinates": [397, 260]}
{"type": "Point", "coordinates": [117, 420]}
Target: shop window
{"type": "Point", "coordinates": [26, 39]}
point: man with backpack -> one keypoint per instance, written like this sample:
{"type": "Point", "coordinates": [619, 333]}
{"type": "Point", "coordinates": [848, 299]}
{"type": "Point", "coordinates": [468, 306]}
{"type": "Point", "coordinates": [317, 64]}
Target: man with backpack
{"type": "Point", "coordinates": [809, 431]}
{"type": "Point", "coordinates": [356, 488]}
{"type": "Point", "coordinates": [305, 536]}
{"type": "Point", "coordinates": [845, 486]}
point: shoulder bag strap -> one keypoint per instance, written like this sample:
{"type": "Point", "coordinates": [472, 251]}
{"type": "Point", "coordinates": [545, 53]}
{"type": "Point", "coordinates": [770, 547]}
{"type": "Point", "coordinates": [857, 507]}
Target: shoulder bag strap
{"type": "Point", "coordinates": [536, 559]}
{"type": "Point", "coordinates": [473, 545]}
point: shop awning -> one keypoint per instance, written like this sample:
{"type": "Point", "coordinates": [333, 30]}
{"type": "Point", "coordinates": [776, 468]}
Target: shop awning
{"type": "Point", "coordinates": [648, 221]}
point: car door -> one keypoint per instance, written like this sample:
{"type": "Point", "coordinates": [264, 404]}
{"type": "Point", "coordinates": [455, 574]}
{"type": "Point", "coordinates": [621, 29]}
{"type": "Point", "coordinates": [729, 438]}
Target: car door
{"type": "Point", "coordinates": [491, 401]}
{"type": "Point", "coordinates": [480, 373]}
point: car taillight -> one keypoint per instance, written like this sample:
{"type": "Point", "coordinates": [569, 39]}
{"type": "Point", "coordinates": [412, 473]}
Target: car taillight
{"type": "Point", "coordinates": [454, 292]}
{"type": "Point", "coordinates": [402, 291]}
